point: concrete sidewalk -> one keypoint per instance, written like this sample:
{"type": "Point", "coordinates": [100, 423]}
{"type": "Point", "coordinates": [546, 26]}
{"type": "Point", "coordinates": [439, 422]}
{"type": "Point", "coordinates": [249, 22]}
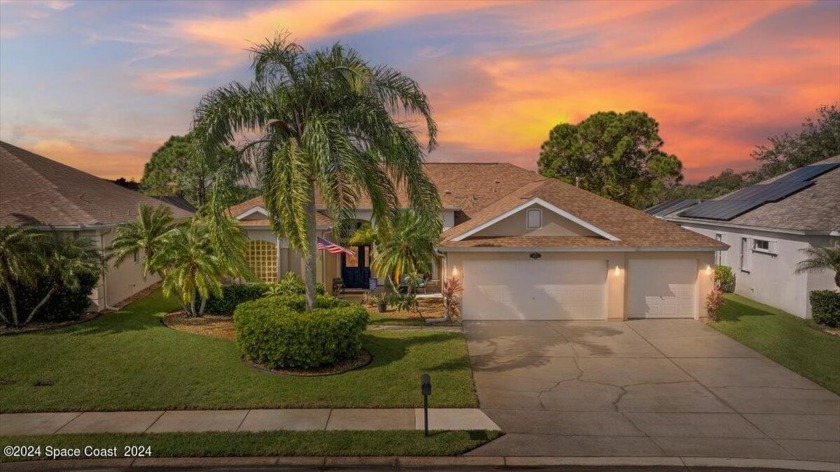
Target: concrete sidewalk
{"type": "Point", "coordinates": [336, 419]}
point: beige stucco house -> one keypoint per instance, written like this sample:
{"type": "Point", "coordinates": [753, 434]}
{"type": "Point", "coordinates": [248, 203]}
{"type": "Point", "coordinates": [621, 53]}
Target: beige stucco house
{"type": "Point", "coordinates": [527, 248]}
{"type": "Point", "coordinates": [41, 193]}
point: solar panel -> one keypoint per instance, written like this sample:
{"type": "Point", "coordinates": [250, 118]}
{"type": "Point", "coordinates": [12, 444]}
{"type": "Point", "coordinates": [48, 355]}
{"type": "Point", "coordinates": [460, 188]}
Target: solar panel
{"type": "Point", "coordinates": [672, 206]}
{"type": "Point", "coordinates": [747, 199]}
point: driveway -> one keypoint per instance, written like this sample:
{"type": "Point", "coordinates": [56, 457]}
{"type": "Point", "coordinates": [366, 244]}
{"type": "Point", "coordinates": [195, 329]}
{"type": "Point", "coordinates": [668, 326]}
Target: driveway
{"type": "Point", "coordinates": [644, 388]}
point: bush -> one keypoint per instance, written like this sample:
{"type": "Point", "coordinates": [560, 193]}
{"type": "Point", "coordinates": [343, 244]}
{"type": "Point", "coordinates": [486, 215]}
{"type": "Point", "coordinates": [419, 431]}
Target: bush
{"type": "Point", "coordinates": [825, 307]}
{"type": "Point", "coordinates": [271, 332]}
{"type": "Point", "coordinates": [725, 278]}
{"type": "Point", "coordinates": [63, 305]}
{"type": "Point", "coordinates": [291, 284]}
{"type": "Point", "coordinates": [232, 296]}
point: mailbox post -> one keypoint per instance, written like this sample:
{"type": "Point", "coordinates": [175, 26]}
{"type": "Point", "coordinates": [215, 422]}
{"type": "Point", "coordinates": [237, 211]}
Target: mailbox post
{"type": "Point", "coordinates": [426, 390]}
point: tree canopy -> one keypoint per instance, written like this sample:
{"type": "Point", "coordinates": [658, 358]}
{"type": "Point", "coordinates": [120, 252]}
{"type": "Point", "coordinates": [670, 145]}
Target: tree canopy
{"type": "Point", "coordinates": [616, 155]}
{"type": "Point", "coordinates": [176, 168]}
{"type": "Point", "coordinates": [325, 120]}
{"type": "Point", "coordinates": [817, 140]}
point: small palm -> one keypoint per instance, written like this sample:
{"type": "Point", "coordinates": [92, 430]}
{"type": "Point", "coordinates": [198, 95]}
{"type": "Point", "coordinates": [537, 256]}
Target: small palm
{"type": "Point", "coordinates": [820, 259]}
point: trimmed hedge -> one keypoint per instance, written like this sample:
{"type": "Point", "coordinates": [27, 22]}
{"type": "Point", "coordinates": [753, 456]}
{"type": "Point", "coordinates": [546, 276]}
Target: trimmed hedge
{"type": "Point", "coordinates": [63, 305]}
{"type": "Point", "coordinates": [274, 333]}
{"type": "Point", "coordinates": [825, 307]}
{"type": "Point", "coordinates": [232, 296]}
{"type": "Point", "coordinates": [292, 284]}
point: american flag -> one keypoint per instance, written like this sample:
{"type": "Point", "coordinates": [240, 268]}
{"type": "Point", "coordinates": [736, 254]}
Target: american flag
{"type": "Point", "coordinates": [332, 248]}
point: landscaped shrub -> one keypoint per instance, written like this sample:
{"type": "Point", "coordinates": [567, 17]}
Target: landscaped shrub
{"type": "Point", "coordinates": [725, 278]}
{"type": "Point", "coordinates": [825, 307]}
{"type": "Point", "coordinates": [64, 305]}
{"type": "Point", "coordinates": [232, 296]}
{"type": "Point", "coordinates": [272, 333]}
{"type": "Point", "coordinates": [298, 302]}
{"type": "Point", "coordinates": [292, 284]}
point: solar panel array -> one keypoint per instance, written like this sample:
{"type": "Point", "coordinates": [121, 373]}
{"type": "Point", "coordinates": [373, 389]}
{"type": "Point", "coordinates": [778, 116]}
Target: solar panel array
{"type": "Point", "coordinates": [672, 206]}
{"type": "Point", "coordinates": [753, 197]}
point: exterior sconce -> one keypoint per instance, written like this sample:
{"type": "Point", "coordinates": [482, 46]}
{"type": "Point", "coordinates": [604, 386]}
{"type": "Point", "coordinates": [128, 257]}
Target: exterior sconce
{"type": "Point", "coordinates": [708, 269]}
{"type": "Point", "coordinates": [454, 271]}
{"type": "Point", "coordinates": [535, 255]}
{"type": "Point", "coordinates": [617, 271]}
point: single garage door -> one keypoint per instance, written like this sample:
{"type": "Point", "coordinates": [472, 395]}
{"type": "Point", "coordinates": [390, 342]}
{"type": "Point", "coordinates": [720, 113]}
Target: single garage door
{"type": "Point", "coordinates": [543, 289]}
{"type": "Point", "coordinates": [661, 288]}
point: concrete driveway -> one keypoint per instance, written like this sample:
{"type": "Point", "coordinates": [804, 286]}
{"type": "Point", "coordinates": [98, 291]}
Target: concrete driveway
{"type": "Point", "coordinates": [644, 388]}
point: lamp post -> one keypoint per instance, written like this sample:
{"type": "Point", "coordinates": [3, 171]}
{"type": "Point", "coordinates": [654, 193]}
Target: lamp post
{"type": "Point", "coordinates": [426, 390]}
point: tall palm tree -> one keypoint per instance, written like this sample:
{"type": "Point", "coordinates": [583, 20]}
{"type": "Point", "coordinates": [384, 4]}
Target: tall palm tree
{"type": "Point", "coordinates": [404, 245]}
{"type": "Point", "coordinates": [821, 258]}
{"type": "Point", "coordinates": [20, 262]}
{"type": "Point", "coordinates": [67, 261]}
{"type": "Point", "coordinates": [329, 122]}
{"type": "Point", "coordinates": [143, 234]}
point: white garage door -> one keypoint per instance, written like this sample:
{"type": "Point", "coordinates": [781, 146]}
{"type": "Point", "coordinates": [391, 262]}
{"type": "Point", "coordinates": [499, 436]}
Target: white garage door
{"type": "Point", "coordinates": [661, 288]}
{"type": "Point", "coordinates": [542, 289]}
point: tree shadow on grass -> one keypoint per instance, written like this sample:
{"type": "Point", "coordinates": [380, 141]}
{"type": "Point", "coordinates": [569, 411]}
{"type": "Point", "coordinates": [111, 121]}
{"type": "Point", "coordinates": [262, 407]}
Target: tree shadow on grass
{"type": "Point", "coordinates": [387, 349]}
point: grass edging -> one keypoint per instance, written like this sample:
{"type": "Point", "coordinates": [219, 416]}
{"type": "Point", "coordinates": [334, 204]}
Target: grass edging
{"type": "Point", "coordinates": [267, 443]}
{"type": "Point", "coordinates": [782, 337]}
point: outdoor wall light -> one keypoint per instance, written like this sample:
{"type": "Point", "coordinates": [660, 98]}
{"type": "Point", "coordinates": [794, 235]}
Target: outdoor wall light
{"type": "Point", "coordinates": [617, 271]}
{"type": "Point", "coordinates": [708, 269]}
{"type": "Point", "coordinates": [535, 255]}
{"type": "Point", "coordinates": [454, 271]}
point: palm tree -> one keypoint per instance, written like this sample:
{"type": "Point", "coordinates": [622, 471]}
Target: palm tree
{"type": "Point", "coordinates": [67, 261]}
{"type": "Point", "coordinates": [821, 258]}
{"type": "Point", "coordinates": [193, 265]}
{"type": "Point", "coordinates": [144, 234]}
{"type": "Point", "coordinates": [329, 122]}
{"type": "Point", "coordinates": [20, 261]}
{"type": "Point", "coordinates": [404, 245]}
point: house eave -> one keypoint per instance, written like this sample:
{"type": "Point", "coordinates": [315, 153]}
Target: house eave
{"type": "Point", "coordinates": [769, 229]}
{"type": "Point", "coordinates": [444, 249]}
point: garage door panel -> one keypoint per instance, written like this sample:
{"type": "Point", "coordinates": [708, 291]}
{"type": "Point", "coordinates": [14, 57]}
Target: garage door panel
{"type": "Point", "coordinates": [534, 290]}
{"type": "Point", "coordinates": [662, 288]}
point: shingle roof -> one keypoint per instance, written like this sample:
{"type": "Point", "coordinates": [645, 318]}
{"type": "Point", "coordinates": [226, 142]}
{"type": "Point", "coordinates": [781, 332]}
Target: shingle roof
{"type": "Point", "coordinates": [815, 208]}
{"type": "Point", "coordinates": [467, 187]}
{"type": "Point", "coordinates": [632, 227]}
{"type": "Point", "coordinates": [37, 191]}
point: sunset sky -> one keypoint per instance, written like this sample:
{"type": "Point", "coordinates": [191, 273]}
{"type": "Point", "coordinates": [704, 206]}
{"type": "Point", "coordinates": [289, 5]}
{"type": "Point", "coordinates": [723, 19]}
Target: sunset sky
{"type": "Point", "coordinates": [100, 85]}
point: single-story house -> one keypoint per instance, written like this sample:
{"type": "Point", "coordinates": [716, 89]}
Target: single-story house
{"type": "Point", "coordinates": [766, 227]}
{"type": "Point", "coordinates": [41, 193]}
{"type": "Point", "coordinates": [527, 248]}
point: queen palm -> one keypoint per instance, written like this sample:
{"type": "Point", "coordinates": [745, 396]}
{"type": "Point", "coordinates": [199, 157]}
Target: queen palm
{"type": "Point", "coordinates": [20, 262]}
{"type": "Point", "coordinates": [327, 122]}
{"type": "Point", "coordinates": [822, 258]}
{"type": "Point", "coordinates": [144, 234]}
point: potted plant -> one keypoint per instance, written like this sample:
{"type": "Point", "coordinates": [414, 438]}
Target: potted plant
{"type": "Point", "coordinates": [381, 302]}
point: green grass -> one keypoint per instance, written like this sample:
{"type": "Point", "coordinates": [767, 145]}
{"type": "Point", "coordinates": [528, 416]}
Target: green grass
{"type": "Point", "coordinates": [785, 338]}
{"type": "Point", "coordinates": [273, 443]}
{"type": "Point", "coordinates": [130, 361]}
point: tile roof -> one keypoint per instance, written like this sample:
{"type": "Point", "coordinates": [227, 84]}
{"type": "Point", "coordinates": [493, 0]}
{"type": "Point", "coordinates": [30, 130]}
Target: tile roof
{"type": "Point", "coordinates": [633, 228]}
{"type": "Point", "coordinates": [37, 191]}
{"type": "Point", "coordinates": [815, 208]}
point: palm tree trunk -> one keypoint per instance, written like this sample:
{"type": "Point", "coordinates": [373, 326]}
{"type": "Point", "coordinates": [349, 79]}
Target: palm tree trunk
{"type": "Point", "coordinates": [192, 302]}
{"type": "Point", "coordinates": [12, 303]}
{"type": "Point", "coordinates": [201, 308]}
{"type": "Point", "coordinates": [40, 304]}
{"type": "Point", "coordinates": [309, 272]}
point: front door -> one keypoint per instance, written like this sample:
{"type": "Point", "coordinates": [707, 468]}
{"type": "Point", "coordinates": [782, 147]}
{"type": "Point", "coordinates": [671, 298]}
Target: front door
{"type": "Point", "coordinates": [355, 270]}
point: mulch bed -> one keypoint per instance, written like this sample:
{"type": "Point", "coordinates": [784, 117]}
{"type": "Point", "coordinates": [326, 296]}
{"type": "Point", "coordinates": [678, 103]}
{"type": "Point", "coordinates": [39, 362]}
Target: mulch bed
{"type": "Point", "coordinates": [215, 326]}
{"type": "Point", "coordinates": [44, 326]}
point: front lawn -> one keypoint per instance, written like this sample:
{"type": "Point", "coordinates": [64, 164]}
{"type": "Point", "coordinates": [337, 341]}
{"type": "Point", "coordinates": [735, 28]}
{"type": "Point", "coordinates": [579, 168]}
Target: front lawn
{"type": "Point", "coordinates": [270, 443]}
{"type": "Point", "coordinates": [130, 361]}
{"type": "Point", "coordinates": [783, 337]}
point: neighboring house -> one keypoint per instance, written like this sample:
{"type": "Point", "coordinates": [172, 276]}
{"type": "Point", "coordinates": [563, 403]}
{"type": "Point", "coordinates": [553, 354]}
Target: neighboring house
{"type": "Point", "coordinates": [528, 248]}
{"type": "Point", "coordinates": [41, 193]}
{"type": "Point", "coordinates": [766, 227]}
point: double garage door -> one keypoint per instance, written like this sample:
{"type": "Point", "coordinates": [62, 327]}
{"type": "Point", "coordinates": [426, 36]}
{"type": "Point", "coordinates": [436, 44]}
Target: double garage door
{"type": "Point", "coordinates": [575, 289]}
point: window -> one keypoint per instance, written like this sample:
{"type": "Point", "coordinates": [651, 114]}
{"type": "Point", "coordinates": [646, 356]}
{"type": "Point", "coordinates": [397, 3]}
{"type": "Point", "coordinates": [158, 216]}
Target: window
{"type": "Point", "coordinates": [718, 254]}
{"type": "Point", "coordinates": [534, 218]}
{"type": "Point", "coordinates": [764, 245]}
{"type": "Point", "coordinates": [746, 255]}
{"type": "Point", "coordinates": [262, 259]}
